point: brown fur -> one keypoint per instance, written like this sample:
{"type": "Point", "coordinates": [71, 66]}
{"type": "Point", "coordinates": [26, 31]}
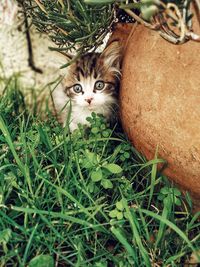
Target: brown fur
{"type": "Point", "coordinates": [91, 64]}
{"type": "Point", "coordinates": [83, 75]}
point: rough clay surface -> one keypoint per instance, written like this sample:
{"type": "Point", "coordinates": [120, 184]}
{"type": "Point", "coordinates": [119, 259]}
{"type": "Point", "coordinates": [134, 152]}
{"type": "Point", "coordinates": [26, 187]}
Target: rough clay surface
{"type": "Point", "coordinates": [160, 104]}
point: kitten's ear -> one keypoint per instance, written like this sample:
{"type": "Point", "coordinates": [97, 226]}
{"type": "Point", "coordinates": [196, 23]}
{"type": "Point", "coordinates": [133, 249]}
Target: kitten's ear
{"type": "Point", "coordinates": [112, 55]}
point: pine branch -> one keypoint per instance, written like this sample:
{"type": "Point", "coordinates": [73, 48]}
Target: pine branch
{"type": "Point", "coordinates": [71, 24]}
{"type": "Point", "coordinates": [81, 25]}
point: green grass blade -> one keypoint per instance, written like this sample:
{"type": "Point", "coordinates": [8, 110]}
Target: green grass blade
{"type": "Point", "coordinates": [136, 234]}
{"type": "Point", "coordinates": [24, 169]}
{"type": "Point", "coordinates": [153, 178]}
{"type": "Point", "coordinates": [120, 236]}
{"type": "Point", "coordinates": [55, 215]}
{"type": "Point", "coordinates": [29, 245]}
{"type": "Point", "coordinates": [171, 225]}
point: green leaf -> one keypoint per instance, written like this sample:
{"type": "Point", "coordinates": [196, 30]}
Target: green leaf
{"type": "Point", "coordinates": [164, 190]}
{"type": "Point", "coordinates": [177, 201]}
{"type": "Point", "coordinates": [106, 183]}
{"type": "Point", "coordinates": [106, 133]}
{"type": "Point", "coordinates": [167, 201]}
{"type": "Point", "coordinates": [113, 168]}
{"type": "Point", "coordinates": [96, 175]}
{"type": "Point", "coordinates": [113, 213]}
{"type": "Point", "coordinates": [119, 215]}
{"type": "Point", "coordinates": [176, 192]}
{"type": "Point", "coordinates": [5, 236]}
{"type": "Point", "coordinates": [127, 155]}
{"type": "Point", "coordinates": [101, 264]}
{"type": "Point", "coordinates": [91, 187]}
{"type": "Point", "coordinates": [42, 261]}
{"type": "Point", "coordinates": [126, 215]}
{"type": "Point", "coordinates": [119, 205]}
{"type": "Point", "coordinates": [87, 164]}
{"type": "Point", "coordinates": [90, 160]}
{"type": "Point", "coordinates": [94, 130]}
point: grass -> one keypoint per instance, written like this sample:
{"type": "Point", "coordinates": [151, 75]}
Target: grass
{"type": "Point", "coordinates": [84, 199]}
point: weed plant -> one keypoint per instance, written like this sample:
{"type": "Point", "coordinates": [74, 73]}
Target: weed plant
{"type": "Point", "coordinates": [84, 199]}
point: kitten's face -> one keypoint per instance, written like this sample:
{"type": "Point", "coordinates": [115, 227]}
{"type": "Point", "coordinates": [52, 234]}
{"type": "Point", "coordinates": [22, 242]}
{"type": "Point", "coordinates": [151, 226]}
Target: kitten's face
{"type": "Point", "coordinates": [92, 81]}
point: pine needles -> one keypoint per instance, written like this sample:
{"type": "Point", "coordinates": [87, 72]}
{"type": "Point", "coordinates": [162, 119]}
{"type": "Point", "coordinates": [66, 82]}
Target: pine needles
{"type": "Point", "coordinates": [71, 24]}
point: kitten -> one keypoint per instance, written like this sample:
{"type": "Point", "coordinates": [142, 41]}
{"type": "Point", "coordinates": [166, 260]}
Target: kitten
{"type": "Point", "coordinates": [91, 85]}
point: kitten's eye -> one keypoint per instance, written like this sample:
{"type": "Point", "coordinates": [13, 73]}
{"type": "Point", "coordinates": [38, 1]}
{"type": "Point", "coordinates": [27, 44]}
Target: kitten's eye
{"type": "Point", "coordinates": [77, 88]}
{"type": "Point", "coordinates": [99, 85]}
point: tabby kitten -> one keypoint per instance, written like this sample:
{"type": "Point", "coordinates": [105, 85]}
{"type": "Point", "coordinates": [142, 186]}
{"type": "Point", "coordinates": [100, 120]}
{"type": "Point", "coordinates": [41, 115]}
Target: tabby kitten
{"type": "Point", "coordinates": [91, 85]}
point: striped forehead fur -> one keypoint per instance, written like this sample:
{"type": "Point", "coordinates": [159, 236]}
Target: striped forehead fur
{"type": "Point", "coordinates": [104, 65]}
{"type": "Point", "coordinates": [87, 65]}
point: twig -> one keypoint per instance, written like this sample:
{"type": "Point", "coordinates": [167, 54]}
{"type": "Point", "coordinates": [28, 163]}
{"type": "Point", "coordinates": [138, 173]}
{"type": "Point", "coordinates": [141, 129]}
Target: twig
{"type": "Point", "coordinates": [29, 44]}
{"type": "Point", "coordinates": [161, 23]}
{"type": "Point", "coordinates": [139, 20]}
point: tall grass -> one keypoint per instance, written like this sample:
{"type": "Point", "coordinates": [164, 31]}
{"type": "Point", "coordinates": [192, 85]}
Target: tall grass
{"type": "Point", "coordinates": [84, 199]}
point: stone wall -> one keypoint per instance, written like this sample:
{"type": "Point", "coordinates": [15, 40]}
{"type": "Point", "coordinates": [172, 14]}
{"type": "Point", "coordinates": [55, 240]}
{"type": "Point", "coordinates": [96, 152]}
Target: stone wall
{"type": "Point", "coordinates": [14, 53]}
{"type": "Point", "coordinates": [14, 50]}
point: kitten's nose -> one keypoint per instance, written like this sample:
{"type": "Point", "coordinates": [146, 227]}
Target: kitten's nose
{"type": "Point", "coordinates": [89, 100]}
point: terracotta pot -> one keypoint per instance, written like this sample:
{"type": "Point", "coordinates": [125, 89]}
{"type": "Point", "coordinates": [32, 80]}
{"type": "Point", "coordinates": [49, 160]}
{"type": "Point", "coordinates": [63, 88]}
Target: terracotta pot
{"type": "Point", "coordinates": [160, 104]}
{"type": "Point", "coordinates": [121, 32]}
